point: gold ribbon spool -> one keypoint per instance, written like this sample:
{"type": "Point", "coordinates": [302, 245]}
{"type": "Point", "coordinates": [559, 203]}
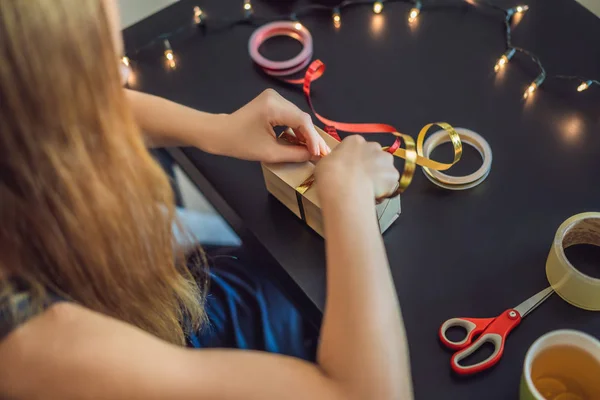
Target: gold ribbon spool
{"type": "Point", "coordinates": [572, 285]}
{"type": "Point", "coordinates": [412, 154]}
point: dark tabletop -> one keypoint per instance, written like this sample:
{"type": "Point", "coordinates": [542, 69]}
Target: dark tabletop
{"type": "Point", "coordinates": [472, 253]}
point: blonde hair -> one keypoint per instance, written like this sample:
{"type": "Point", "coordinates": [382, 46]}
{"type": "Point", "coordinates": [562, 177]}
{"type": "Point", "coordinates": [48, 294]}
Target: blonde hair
{"type": "Point", "coordinates": [85, 212]}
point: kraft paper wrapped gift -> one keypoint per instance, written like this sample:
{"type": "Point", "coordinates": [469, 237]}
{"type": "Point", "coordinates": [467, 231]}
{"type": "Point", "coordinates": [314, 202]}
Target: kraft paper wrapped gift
{"type": "Point", "coordinates": [283, 179]}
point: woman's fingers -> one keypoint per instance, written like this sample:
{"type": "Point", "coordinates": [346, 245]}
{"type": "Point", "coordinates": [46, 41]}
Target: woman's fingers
{"type": "Point", "coordinates": [283, 112]}
{"type": "Point", "coordinates": [324, 147]}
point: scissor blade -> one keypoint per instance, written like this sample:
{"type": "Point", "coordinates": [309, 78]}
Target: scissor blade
{"type": "Point", "coordinates": [531, 303]}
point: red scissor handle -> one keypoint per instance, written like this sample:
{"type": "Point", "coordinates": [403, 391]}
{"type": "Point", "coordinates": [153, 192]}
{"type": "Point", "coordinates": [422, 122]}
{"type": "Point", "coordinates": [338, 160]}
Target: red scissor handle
{"type": "Point", "coordinates": [495, 333]}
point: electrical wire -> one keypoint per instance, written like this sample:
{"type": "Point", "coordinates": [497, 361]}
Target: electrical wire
{"type": "Point", "coordinates": [214, 25]}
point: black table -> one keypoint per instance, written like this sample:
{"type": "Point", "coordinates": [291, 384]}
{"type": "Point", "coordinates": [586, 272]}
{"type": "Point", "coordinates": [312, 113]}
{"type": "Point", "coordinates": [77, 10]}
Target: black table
{"type": "Point", "coordinates": [472, 253]}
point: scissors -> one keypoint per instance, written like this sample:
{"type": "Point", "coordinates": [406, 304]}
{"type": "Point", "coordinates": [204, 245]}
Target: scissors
{"type": "Point", "coordinates": [490, 330]}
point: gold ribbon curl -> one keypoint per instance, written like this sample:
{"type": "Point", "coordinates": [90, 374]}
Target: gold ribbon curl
{"type": "Point", "coordinates": [413, 158]}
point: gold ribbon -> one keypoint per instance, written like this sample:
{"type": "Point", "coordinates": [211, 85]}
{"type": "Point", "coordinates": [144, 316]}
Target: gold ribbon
{"type": "Point", "coordinates": [412, 154]}
{"type": "Point", "coordinates": [304, 186]}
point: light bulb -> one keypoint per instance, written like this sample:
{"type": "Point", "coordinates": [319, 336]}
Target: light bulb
{"type": "Point", "coordinates": [530, 90]}
{"type": "Point", "coordinates": [125, 61]}
{"type": "Point", "coordinates": [378, 7]}
{"type": "Point", "coordinates": [298, 26]}
{"type": "Point", "coordinates": [503, 60]}
{"type": "Point", "coordinates": [169, 54]}
{"type": "Point", "coordinates": [337, 18]}
{"type": "Point", "coordinates": [414, 13]}
{"type": "Point", "coordinates": [522, 8]}
{"type": "Point", "coordinates": [500, 63]}
{"type": "Point", "coordinates": [534, 85]}
{"type": "Point", "coordinates": [198, 15]}
{"type": "Point", "coordinates": [584, 86]}
{"type": "Point", "coordinates": [248, 8]}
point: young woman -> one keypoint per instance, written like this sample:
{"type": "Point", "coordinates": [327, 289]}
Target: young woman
{"type": "Point", "coordinates": [95, 301]}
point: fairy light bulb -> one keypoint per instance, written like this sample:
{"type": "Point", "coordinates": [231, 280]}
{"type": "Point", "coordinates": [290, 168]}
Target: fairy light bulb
{"type": "Point", "coordinates": [127, 75]}
{"type": "Point", "coordinates": [337, 18]}
{"type": "Point", "coordinates": [169, 54]}
{"type": "Point", "coordinates": [500, 63]}
{"type": "Point", "coordinates": [503, 60]}
{"type": "Point", "coordinates": [532, 88]}
{"type": "Point", "coordinates": [378, 7]}
{"type": "Point", "coordinates": [168, 51]}
{"type": "Point", "coordinates": [521, 8]}
{"type": "Point", "coordinates": [198, 15]}
{"type": "Point", "coordinates": [248, 8]}
{"type": "Point", "coordinates": [414, 12]}
{"type": "Point", "coordinates": [516, 13]}
{"type": "Point", "coordinates": [534, 85]}
{"type": "Point", "coordinates": [297, 24]}
{"type": "Point", "coordinates": [584, 86]}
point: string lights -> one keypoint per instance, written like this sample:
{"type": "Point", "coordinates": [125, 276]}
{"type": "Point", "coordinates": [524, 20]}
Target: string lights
{"type": "Point", "coordinates": [198, 15]}
{"type": "Point", "coordinates": [169, 54]}
{"type": "Point", "coordinates": [510, 14]}
{"type": "Point", "coordinates": [248, 11]}
{"type": "Point", "coordinates": [298, 25]}
{"type": "Point", "coordinates": [503, 60]}
{"type": "Point", "coordinates": [127, 75]}
{"type": "Point", "coordinates": [584, 84]}
{"type": "Point", "coordinates": [414, 12]}
{"type": "Point", "coordinates": [519, 9]}
{"type": "Point", "coordinates": [512, 50]}
{"type": "Point", "coordinates": [337, 17]}
{"type": "Point", "coordinates": [534, 85]}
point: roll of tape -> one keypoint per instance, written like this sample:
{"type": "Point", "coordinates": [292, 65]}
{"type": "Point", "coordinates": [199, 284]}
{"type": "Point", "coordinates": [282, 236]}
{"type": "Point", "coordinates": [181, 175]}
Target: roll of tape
{"type": "Point", "coordinates": [572, 285]}
{"type": "Point", "coordinates": [459, 182]}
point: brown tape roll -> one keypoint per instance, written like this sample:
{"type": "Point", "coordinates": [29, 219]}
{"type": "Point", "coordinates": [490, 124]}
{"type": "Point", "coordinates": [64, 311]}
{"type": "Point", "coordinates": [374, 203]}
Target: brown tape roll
{"type": "Point", "coordinates": [574, 286]}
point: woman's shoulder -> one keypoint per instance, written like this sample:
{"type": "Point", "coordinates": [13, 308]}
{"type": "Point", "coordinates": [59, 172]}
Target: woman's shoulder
{"type": "Point", "coordinates": [82, 353]}
{"type": "Point", "coordinates": [38, 345]}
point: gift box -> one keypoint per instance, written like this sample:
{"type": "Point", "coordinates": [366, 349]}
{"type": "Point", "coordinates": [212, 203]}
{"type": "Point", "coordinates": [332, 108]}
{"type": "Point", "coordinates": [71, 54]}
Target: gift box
{"type": "Point", "coordinates": [284, 181]}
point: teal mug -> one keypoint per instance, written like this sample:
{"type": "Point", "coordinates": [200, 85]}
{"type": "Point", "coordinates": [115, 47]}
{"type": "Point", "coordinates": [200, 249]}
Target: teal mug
{"type": "Point", "coordinates": [562, 365]}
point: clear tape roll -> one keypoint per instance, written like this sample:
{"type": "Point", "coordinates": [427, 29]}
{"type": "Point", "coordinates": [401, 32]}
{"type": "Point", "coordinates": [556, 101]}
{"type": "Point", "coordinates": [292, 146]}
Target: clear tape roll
{"type": "Point", "coordinates": [459, 182]}
{"type": "Point", "coordinates": [572, 285]}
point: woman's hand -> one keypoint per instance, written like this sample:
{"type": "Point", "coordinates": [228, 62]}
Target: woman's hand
{"type": "Point", "coordinates": [248, 133]}
{"type": "Point", "coordinates": [357, 166]}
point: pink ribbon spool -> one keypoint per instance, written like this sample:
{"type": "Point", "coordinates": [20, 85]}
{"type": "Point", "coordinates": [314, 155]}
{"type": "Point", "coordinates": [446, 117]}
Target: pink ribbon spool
{"type": "Point", "coordinates": [282, 28]}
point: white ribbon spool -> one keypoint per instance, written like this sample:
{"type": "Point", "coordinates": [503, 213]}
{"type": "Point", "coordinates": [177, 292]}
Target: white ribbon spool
{"type": "Point", "coordinates": [459, 182]}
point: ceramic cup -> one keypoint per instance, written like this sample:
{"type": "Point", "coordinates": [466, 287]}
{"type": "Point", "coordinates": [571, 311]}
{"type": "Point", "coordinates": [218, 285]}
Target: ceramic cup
{"type": "Point", "coordinates": [562, 365]}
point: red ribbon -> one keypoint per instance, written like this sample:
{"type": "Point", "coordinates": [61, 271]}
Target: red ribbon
{"type": "Point", "coordinates": [314, 72]}
{"type": "Point", "coordinates": [282, 69]}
